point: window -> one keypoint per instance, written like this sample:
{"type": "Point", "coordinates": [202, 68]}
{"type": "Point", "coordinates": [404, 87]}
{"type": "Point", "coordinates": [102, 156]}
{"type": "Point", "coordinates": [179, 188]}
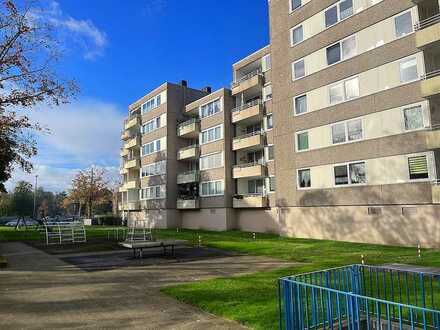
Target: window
{"type": "Point", "coordinates": [154, 192]}
{"type": "Point", "coordinates": [303, 141]}
{"type": "Point", "coordinates": [255, 186]}
{"type": "Point", "coordinates": [211, 134]}
{"type": "Point", "coordinates": [403, 24]}
{"type": "Point", "coordinates": [338, 133]}
{"type": "Point", "coordinates": [270, 153]}
{"type": "Point", "coordinates": [272, 184]}
{"type": "Point", "coordinates": [347, 131]}
{"type": "Point", "coordinates": [267, 93]}
{"type": "Point", "coordinates": [151, 126]}
{"type": "Point", "coordinates": [211, 188]}
{"type": "Point", "coordinates": [413, 118]}
{"type": "Point", "coordinates": [266, 63]}
{"type": "Point", "coordinates": [418, 168]}
{"type": "Point", "coordinates": [344, 91]}
{"type": "Point", "coordinates": [151, 104]}
{"type": "Point", "coordinates": [353, 173]}
{"type": "Point", "coordinates": [158, 168]}
{"type": "Point", "coordinates": [294, 4]}
{"type": "Point", "coordinates": [150, 148]}
{"type": "Point", "coordinates": [211, 161]}
{"type": "Point", "coordinates": [299, 69]}
{"type": "Point", "coordinates": [210, 109]}
{"type": "Point", "coordinates": [269, 121]}
{"type": "Point", "coordinates": [297, 35]}
{"type": "Point", "coordinates": [304, 180]}
{"type": "Point", "coordinates": [255, 157]}
{"type": "Point", "coordinates": [301, 104]}
{"type": "Point", "coordinates": [342, 50]}
{"type": "Point", "coordinates": [408, 70]}
{"type": "Point", "coordinates": [338, 12]}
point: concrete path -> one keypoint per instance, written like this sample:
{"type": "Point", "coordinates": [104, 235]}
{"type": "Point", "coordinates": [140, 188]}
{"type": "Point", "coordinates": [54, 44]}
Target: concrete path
{"type": "Point", "coordinates": [40, 291]}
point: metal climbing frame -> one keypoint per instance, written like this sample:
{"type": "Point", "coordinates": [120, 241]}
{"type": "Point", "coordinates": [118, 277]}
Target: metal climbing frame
{"type": "Point", "coordinates": [140, 231]}
{"type": "Point", "coordinates": [64, 232]}
{"type": "Point", "coordinates": [360, 297]}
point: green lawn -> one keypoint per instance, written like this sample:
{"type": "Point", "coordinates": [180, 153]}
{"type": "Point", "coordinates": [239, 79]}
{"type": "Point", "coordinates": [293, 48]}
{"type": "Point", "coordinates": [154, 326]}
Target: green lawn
{"type": "Point", "coordinates": [252, 299]}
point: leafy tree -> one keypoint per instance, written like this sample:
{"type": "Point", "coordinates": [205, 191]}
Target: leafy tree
{"type": "Point", "coordinates": [90, 189]}
{"type": "Point", "coordinates": [23, 199]}
{"type": "Point", "coordinates": [29, 51]}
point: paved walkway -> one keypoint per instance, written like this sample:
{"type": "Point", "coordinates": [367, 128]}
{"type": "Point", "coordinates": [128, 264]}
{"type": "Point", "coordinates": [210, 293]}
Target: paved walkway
{"type": "Point", "coordinates": [40, 291]}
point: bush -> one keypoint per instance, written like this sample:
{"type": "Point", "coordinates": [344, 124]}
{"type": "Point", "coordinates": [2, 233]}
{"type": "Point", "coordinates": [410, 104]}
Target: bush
{"type": "Point", "coordinates": [107, 220]}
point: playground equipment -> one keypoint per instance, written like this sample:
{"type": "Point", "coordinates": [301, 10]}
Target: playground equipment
{"type": "Point", "coordinates": [63, 232]}
{"type": "Point", "coordinates": [139, 231]}
{"type": "Point", "coordinates": [360, 297]}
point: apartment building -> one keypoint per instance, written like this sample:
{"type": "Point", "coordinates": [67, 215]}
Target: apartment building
{"type": "Point", "coordinates": [330, 132]}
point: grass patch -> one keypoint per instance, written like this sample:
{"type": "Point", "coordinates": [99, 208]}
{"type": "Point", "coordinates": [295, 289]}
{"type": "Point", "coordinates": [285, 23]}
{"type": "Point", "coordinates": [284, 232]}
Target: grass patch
{"type": "Point", "coordinates": [252, 299]}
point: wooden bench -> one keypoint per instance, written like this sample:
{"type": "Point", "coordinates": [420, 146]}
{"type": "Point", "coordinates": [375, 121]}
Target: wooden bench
{"type": "Point", "coordinates": [140, 245]}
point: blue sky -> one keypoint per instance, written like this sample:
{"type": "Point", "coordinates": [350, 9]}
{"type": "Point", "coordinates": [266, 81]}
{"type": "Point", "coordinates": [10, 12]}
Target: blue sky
{"type": "Point", "coordinates": [119, 50]}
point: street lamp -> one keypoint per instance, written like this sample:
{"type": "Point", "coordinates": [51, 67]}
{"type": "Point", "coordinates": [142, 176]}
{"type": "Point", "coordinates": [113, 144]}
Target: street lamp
{"type": "Point", "coordinates": [35, 197]}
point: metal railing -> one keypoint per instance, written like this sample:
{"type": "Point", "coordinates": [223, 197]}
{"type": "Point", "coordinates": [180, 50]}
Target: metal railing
{"type": "Point", "coordinates": [188, 122]}
{"type": "Point", "coordinates": [246, 165]}
{"type": "Point", "coordinates": [247, 105]}
{"type": "Point", "coordinates": [427, 22]}
{"type": "Point", "coordinates": [63, 232]}
{"type": "Point", "coordinates": [360, 297]}
{"type": "Point", "coordinates": [431, 74]}
{"type": "Point", "coordinates": [241, 137]}
{"type": "Point", "coordinates": [246, 77]}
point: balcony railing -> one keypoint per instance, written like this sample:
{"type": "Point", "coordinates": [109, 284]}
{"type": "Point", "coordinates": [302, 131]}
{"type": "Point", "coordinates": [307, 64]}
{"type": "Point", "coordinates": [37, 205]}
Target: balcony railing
{"type": "Point", "coordinates": [431, 74]}
{"type": "Point", "coordinates": [246, 77]}
{"type": "Point", "coordinates": [246, 165]}
{"type": "Point", "coordinates": [423, 24]}
{"type": "Point", "coordinates": [241, 137]}
{"type": "Point", "coordinates": [247, 105]}
{"type": "Point", "coordinates": [188, 122]}
{"type": "Point", "coordinates": [189, 147]}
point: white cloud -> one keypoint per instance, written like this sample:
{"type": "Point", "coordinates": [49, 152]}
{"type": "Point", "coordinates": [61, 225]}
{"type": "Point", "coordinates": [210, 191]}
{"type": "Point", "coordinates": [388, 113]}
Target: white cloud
{"type": "Point", "coordinates": [82, 134]}
{"type": "Point", "coordinates": [82, 33]}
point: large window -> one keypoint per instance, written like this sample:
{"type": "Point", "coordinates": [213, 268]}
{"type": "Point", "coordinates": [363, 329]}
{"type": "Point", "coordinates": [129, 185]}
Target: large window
{"type": "Point", "coordinates": [299, 69]}
{"type": "Point", "coordinates": [150, 148]}
{"type": "Point", "coordinates": [272, 184]}
{"type": "Point", "coordinates": [151, 125]}
{"type": "Point", "coordinates": [352, 173]}
{"type": "Point", "coordinates": [303, 141]}
{"type": "Point", "coordinates": [294, 4]}
{"type": "Point", "coordinates": [347, 131]}
{"type": "Point", "coordinates": [304, 179]}
{"type": "Point", "coordinates": [256, 186]}
{"type": "Point", "coordinates": [413, 118]}
{"type": "Point", "coordinates": [210, 109]}
{"type": "Point", "coordinates": [300, 104]}
{"type": "Point", "coordinates": [158, 168]}
{"type": "Point", "coordinates": [342, 50]}
{"type": "Point", "coordinates": [151, 104]}
{"type": "Point", "coordinates": [154, 192]}
{"type": "Point", "coordinates": [270, 153]}
{"type": "Point", "coordinates": [297, 35]}
{"type": "Point", "coordinates": [344, 90]}
{"type": "Point", "coordinates": [269, 121]}
{"type": "Point", "coordinates": [266, 63]}
{"type": "Point", "coordinates": [403, 24]}
{"type": "Point", "coordinates": [211, 134]}
{"type": "Point", "coordinates": [211, 188]}
{"type": "Point", "coordinates": [211, 161]}
{"type": "Point", "coordinates": [338, 12]}
{"type": "Point", "coordinates": [408, 70]}
{"type": "Point", "coordinates": [267, 92]}
{"type": "Point", "coordinates": [418, 168]}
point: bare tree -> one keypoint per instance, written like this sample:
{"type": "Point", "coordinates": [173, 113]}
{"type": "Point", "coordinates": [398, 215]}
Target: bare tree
{"type": "Point", "coordinates": [29, 52]}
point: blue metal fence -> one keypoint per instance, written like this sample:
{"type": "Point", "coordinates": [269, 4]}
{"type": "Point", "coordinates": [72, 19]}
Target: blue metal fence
{"type": "Point", "coordinates": [360, 297]}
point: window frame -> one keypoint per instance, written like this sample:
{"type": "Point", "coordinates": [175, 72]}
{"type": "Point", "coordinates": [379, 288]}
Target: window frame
{"type": "Point", "coordinates": [208, 155]}
{"type": "Point", "coordinates": [155, 193]}
{"type": "Point", "coordinates": [161, 162]}
{"type": "Point", "coordinates": [425, 120]}
{"type": "Point", "coordinates": [347, 165]}
{"type": "Point", "coordinates": [294, 105]}
{"type": "Point", "coordinates": [154, 120]}
{"type": "Point", "coordinates": [395, 26]}
{"type": "Point", "coordinates": [291, 9]}
{"type": "Point", "coordinates": [268, 188]}
{"type": "Point", "coordinates": [210, 129]}
{"type": "Point", "coordinates": [266, 122]}
{"type": "Point", "coordinates": [341, 53]}
{"type": "Point", "coordinates": [338, 10]}
{"type": "Point", "coordinates": [343, 83]}
{"type": "Point", "coordinates": [211, 195]}
{"type": "Point", "coordinates": [293, 69]}
{"type": "Point", "coordinates": [407, 59]}
{"type": "Point", "coordinates": [292, 30]}
{"type": "Point", "coordinates": [144, 109]}
{"type": "Point", "coordinates": [154, 142]}
{"type": "Point", "coordinates": [430, 170]}
{"type": "Point", "coordinates": [267, 153]}
{"type": "Point", "coordinates": [345, 123]}
{"type": "Point", "coordinates": [298, 186]}
{"type": "Point", "coordinates": [218, 99]}
{"type": "Point", "coordinates": [297, 134]}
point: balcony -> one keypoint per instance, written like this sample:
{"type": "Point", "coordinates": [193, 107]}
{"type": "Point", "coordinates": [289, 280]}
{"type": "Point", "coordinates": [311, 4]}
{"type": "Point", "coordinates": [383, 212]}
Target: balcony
{"type": "Point", "coordinates": [134, 142]}
{"type": "Point", "coordinates": [430, 84]}
{"type": "Point", "coordinates": [433, 138]}
{"type": "Point", "coordinates": [250, 201]}
{"type": "Point", "coordinates": [248, 170]}
{"type": "Point", "coordinates": [252, 111]}
{"type": "Point", "coordinates": [123, 171]}
{"type": "Point", "coordinates": [188, 204]}
{"type": "Point", "coordinates": [254, 79]}
{"type": "Point", "coordinates": [188, 177]}
{"type": "Point", "coordinates": [189, 153]}
{"type": "Point", "coordinates": [124, 152]}
{"type": "Point", "coordinates": [130, 206]}
{"type": "Point", "coordinates": [132, 164]}
{"type": "Point", "coordinates": [428, 31]}
{"type": "Point", "coordinates": [125, 136]}
{"type": "Point", "coordinates": [132, 184]}
{"type": "Point", "coordinates": [132, 122]}
{"type": "Point", "coordinates": [253, 140]}
{"type": "Point", "coordinates": [189, 129]}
